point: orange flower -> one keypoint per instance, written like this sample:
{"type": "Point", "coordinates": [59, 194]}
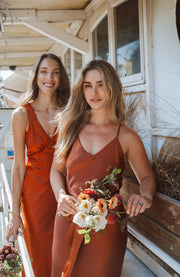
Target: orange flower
{"type": "Point", "coordinates": [84, 196]}
{"type": "Point", "coordinates": [102, 205]}
{"type": "Point", "coordinates": [115, 201]}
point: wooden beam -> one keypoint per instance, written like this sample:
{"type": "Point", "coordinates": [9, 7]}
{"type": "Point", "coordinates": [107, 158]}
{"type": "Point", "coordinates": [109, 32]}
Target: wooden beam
{"type": "Point", "coordinates": [59, 35]}
{"type": "Point", "coordinates": [22, 68]}
{"type": "Point", "coordinates": [24, 41]}
{"type": "Point", "coordinates": [83, 32]}
{"type": "Point", "coordinates": [61, 15]}
{"type": "Point", "coordinates": [16, 15]}
{"type": "Point", "coordinates": [57, 49]}
{"type": "Point", "coordinates": [20, 55]}
{"type": "Point", "coordinates": [60, 49]}
{"type": "Point", "coordinates": [45, 15]}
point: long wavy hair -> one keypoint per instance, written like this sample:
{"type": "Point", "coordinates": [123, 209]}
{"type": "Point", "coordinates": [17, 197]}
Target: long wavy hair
{"type": "Point", "coordinates": [77, 112]}
{"type": "Point", "coordinates": [63, 91]}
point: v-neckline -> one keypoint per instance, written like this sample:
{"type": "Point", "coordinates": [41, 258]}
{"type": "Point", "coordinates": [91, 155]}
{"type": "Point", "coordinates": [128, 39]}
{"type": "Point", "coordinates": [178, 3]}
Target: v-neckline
{"type": "Point", "coordinates": [99, 150]}
{"type": "Point", "coordinates": [41, 127]}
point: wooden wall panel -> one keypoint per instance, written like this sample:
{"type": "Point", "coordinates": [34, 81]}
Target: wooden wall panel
{"type": "Point", "coordinates": [165, 211]}
{"type": "Point", "coordinates": [160, 223]}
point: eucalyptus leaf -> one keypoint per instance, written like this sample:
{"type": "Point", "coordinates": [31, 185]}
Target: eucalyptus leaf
{"type": "Point", "coordinates": [87, 238]}
{"type": "Point", "coordinates": [83, 231]}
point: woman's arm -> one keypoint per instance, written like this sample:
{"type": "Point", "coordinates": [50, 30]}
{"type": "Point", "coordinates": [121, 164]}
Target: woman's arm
{"type": "Point", "coordinates": [66, 203]}
{"type": "Point", "coordinates": [137, 158]}
{"type": "Point", "coordinates": [19, 127]}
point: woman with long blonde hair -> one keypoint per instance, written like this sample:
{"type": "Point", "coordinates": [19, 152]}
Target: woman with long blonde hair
{"type": "Point", "coordinates": [34, 128]}
{"type": "Point", "coordinates": [92, 137]}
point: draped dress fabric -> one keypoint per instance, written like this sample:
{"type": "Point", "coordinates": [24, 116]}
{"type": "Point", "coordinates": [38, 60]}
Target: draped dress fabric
{"type": "Point", "coordinates": [38, 202]}
{"type": "Point", "coordinates": [104, 255]}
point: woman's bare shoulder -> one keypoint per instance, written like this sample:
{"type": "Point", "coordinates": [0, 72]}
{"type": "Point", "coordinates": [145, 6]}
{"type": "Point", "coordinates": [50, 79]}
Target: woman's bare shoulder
{"type": "Point", "coordinates": [20, 117]}
{"type": "Point", "coordinates": [128, 133]}
{"type": "Point", "coordinates": [128, 138]}
{"type": "Point", "coordinates": [19, 112]}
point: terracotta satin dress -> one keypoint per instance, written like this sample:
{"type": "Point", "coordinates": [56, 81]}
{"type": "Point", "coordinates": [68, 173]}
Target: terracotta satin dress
{"type": "Point", "coordinates": [38, 202]}
{"type": "Point", "coordinates": [103, 256]}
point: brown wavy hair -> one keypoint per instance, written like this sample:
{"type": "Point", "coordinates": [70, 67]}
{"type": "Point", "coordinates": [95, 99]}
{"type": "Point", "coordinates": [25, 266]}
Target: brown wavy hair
{"type": "Point", "coordinates": [63, 92]}
{"type": "Point", "coordinates": [77, 112]}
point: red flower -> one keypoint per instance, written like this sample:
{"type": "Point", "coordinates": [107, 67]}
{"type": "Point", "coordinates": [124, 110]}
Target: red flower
{"type": "Point", "coordinates": [120, 199]}
{"type": "Point", "coordinates": [11, 257]}
{"type": "Point", "coordinates": [112, 218]}
{"type": "Point", "coordinates": [6, 250]}
{"type": "Point", "coordinates": [91, 193]}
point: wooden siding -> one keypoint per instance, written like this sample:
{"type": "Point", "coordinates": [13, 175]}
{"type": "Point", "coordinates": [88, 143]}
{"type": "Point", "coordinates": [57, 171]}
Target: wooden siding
{"type": "Point", "coordinates": [160, 223]}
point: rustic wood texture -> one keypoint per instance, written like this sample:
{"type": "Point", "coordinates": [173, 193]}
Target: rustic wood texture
{"type": "Point", "coordinates": [160, 223]}
{"type": "Point", "coordinates": [165, 211]}
{"type": "Point", "coordinates": [164, 239]}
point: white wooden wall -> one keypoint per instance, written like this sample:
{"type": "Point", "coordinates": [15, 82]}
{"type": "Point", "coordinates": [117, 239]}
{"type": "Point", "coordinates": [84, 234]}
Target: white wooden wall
{"type": "Point", "coordinates": [165, 63]}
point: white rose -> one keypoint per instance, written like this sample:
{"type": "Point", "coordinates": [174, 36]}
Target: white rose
{"type": "Point", "coordinates": [80, 219]}
{"type": "Point", "coordinates": [100, 222]}
{"type": "Point", "coordinates": [89, 220]}
{"type": "Point", "coordinates": [84, 206]}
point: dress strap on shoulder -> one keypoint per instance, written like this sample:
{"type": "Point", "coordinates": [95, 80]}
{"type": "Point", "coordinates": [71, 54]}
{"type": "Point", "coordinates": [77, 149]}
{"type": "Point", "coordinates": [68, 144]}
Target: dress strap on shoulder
{"type": "Point", "coordinates": [30, 110]}
{"type": "Point", "coordinates": [118, 129]}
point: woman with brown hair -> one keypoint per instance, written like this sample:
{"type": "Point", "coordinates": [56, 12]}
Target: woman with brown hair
{"type": "Point", "coordinates": [92, 138]}
{"type": "Point", "coordinates": [34, 130]}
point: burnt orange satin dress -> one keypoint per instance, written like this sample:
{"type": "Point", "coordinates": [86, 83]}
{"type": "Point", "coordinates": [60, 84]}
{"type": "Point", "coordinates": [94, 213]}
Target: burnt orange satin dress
{"type": "Point", "coordinates": [38, 202]}
{"type": "Point", "coordinates": [103, 256]}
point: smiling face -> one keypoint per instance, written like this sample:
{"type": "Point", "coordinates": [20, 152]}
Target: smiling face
{"type": "Point", "coordinates": [48, 77]}
{"type": "Point", "coordinates": [94, 90]}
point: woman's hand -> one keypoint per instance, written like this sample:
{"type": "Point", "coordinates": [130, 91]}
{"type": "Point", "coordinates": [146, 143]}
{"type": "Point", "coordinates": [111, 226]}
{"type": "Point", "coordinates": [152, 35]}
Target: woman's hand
{"type": "Point", "coordinates": [66, 205]}
{"type": "Point", "coordinates": [137, 204]}
{"type": "Point", "coordinates": [15, 225]}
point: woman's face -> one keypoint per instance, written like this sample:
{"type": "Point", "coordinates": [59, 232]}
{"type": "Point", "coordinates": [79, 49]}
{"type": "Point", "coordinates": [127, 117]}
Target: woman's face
{"type": "Point", "coordinates": [48, 76]}
{"type": "Point", "coordinates": [94, 90]}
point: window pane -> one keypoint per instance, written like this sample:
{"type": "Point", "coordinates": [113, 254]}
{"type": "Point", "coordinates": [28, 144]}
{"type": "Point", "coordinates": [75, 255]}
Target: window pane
{"type": "Point", "coordinates": [67, 62]}
{"type": "Point", "coordinates": [100, 41]}
{"type": "Point", "coordinates": [77, 63]}
{"type": "Point", "coordinates": [127, 39]}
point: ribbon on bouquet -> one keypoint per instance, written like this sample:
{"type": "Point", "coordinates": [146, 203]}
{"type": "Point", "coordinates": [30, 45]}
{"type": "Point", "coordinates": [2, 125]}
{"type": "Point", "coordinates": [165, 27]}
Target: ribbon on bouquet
{"type": "Point", "coordinates": [74, 239]}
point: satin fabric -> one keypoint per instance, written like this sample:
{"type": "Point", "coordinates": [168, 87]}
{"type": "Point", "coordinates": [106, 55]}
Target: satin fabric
{"type": "Point", "coordinates": [104, 255]}
{"type": "Point", "coordinates": [38, 202]}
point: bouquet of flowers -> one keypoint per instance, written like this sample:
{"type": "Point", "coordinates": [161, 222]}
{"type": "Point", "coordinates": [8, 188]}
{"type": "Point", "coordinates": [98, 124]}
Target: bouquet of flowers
{"type": "Point", "coordinates": [10, 262]}
{"type": "Point", "coordinates": [99, 204]}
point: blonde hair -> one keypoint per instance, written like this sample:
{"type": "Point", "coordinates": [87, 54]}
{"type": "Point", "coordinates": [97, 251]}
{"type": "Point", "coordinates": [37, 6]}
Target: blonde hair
{"type": "Point", "coordinates": [77, 112]}
{"type": "Point", "coordinates": [63, 92]}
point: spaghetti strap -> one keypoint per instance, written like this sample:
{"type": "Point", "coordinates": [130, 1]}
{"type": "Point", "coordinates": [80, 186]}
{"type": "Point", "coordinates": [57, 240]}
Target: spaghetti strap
{"type": "Point", "coordinates": [118, 130]}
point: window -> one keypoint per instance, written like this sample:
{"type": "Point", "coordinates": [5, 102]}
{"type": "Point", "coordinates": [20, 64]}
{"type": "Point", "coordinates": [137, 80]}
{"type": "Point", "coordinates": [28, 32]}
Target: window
{"type": "Point", "coordinates": [127, 42]}
{"type": "Point", "coordinates": [77, 63]}
{"type": "Point", "coordinates": [67, 62]}
{"type": "Point", "coordinates": [100, 40]}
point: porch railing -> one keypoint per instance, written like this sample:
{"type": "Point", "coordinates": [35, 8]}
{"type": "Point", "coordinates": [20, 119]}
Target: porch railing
{"type": "Point", "coordinates": [6, 205]}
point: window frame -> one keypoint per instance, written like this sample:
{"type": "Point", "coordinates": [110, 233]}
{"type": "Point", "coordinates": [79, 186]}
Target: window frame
{"type": "Point", "coordinates": [108, 8]}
